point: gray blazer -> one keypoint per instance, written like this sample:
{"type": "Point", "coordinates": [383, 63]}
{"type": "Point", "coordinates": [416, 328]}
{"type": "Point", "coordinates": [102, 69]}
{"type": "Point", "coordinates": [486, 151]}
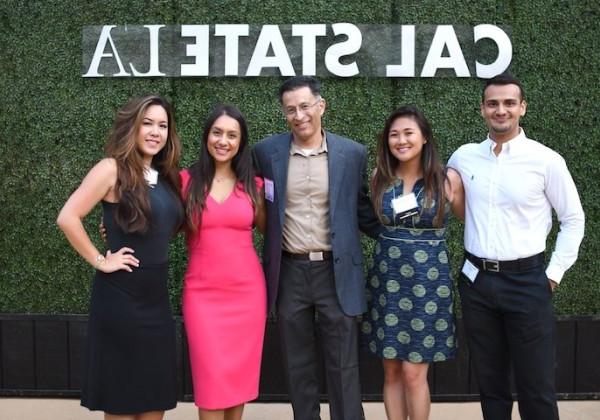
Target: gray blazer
{"type": "Point", "coordinates": [350, 209]}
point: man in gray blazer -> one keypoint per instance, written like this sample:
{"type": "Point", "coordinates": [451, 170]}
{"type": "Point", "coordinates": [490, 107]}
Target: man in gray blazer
{"type": "Point", "coordinates": [316, 199]}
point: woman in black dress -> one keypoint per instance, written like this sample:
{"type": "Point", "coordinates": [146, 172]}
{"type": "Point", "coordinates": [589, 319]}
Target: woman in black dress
{"type": "Point", "coordinates": [130, 371]}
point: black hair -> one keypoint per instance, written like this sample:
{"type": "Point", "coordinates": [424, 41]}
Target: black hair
{"type": "Point", "coordinates": [298, 82]}
{"type": "Point", "coordinates": [502, 79]}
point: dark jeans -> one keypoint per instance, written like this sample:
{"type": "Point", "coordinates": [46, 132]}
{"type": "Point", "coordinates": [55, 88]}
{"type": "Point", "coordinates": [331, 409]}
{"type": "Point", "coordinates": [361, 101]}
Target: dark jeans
{"type": "Point", "coordinates": [509, 320]}
{"type": "Point", "coordinates": [306, 287]}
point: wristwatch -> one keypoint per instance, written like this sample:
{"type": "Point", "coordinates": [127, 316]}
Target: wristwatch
{"type": "Point", "coordinates": [99, 261]}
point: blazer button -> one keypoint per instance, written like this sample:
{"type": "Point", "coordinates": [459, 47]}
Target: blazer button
{"type": "Point", "coordinates": [337, 260]}
{"type": "Point", "coordinates": [333, 234]}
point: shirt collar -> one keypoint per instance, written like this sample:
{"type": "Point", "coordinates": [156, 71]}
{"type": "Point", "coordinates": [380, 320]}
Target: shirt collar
{"type": "Point", "coordinates": [510, 147]}
{"type": "Point", "coordinates": [295, 150]}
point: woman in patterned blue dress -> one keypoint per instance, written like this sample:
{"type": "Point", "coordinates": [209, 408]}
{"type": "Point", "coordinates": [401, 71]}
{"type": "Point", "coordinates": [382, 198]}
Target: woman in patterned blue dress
{"type": "Point", "coordinates": [410, 320]}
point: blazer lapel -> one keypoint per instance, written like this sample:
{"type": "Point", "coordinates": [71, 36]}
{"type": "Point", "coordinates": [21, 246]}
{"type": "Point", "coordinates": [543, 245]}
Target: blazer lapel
{"type": "Point", "coordinates": [280, 160]}
{"type": "Point", "coordinates": [335, 166]}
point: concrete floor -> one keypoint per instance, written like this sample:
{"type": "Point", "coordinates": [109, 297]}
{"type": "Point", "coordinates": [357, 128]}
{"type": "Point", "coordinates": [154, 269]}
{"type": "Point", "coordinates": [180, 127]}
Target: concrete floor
{"type": "Point", "coordinates": [69, 409]}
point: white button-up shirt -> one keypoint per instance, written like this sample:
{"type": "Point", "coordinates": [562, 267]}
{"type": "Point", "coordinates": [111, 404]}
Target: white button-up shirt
{"type": "Point", "coordinates": [509, 200]}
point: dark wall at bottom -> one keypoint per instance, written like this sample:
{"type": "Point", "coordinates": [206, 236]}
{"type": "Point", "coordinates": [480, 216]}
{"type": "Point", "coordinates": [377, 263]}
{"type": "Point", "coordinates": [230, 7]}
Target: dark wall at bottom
{"type": "Point", "coordinates": [42, 355]}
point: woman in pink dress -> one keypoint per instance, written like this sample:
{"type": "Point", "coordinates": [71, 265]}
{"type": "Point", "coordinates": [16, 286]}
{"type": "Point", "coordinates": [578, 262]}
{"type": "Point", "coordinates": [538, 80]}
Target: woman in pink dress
{"type": "Point", "coordinates": [224, 292]}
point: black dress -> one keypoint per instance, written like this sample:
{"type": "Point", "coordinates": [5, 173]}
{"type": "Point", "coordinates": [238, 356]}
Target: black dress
{"type": "Point", "coordinates": [131, 334]}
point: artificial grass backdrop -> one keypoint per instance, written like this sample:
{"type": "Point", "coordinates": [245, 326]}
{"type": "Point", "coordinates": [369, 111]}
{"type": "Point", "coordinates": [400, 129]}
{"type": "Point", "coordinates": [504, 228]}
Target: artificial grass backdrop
{"type": "Point", "coordinates": [54, 122]}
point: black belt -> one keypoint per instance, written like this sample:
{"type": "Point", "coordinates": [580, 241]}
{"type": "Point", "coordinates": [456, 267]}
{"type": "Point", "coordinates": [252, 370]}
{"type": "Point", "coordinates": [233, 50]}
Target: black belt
{"type": "Point", "coordinates": [522, 264]}
{"type": "Point", "coordinates": [311, 256]}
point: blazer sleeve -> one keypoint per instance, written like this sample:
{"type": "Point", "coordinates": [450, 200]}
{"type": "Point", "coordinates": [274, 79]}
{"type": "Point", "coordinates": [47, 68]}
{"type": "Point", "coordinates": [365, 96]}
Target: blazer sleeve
{"type": "Point", "coordinates": [256, 161]}
{"type": "Point", "coordinates": [368, 222]}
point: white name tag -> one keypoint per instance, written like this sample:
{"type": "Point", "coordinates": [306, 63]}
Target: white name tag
{"type": "Point", "coordinates": [269, 190]}
{"type": "Point", "coordinates": [151, 176]}
{"type": "Point", "coordinates": [470, 271]}
{"type": "Point", "coordinates": [405, 204]}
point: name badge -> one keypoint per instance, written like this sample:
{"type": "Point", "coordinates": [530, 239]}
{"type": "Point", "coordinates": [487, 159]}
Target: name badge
{"type": "Point", "coordinates": [151, 176]}
{"type": "Point", "coordinates": [405, 205]}
{"type": "Point", "coordinates": [269, 190]}
{"type": "Point", "coordinates": [470, 271]}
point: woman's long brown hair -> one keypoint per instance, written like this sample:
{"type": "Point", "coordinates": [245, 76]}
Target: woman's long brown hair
{"type": "Point", "coordinates": [133, 210]}
{"type": "Point", "coordinates": [433, 172]}
{"type": "Point", "coordinates": [202, 172]}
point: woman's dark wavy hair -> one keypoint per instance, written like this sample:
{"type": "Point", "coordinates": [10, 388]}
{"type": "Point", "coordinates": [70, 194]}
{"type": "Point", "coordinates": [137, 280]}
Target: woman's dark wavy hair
{"type": "Point", "coordinates": [202, 172]}
{"type": "Point", "coordinates": [133, 210]}
{"type": "Point", "coordinates": [433, 171]}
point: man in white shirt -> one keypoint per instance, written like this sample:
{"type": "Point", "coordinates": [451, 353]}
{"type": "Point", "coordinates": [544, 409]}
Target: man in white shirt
{"type": "Point", "coordinates": [512, 183]}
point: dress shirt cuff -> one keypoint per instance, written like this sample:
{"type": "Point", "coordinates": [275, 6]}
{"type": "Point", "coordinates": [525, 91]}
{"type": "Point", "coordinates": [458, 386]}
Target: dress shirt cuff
{"type": "Point", "coordinates": [554, 273]}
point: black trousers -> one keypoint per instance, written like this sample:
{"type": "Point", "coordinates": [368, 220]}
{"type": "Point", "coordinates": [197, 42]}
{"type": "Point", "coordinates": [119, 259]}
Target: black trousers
{"type": "Point", "coordinates": [306, 287]}
{"type": "Point", "coordinates": [509, 321]}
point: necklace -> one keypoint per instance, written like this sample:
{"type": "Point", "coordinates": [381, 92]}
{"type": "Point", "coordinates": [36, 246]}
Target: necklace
{"type": "Point", "coordinates": [224, 178]}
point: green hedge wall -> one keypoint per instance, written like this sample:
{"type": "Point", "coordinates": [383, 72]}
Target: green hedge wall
{"type": "Point", "coordinates": [54, 123]}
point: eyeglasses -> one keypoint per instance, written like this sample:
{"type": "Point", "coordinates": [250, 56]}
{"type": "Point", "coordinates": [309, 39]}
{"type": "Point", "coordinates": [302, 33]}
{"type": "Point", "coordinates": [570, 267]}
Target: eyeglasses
{"type": "Point", "coordinates": [291, 111]}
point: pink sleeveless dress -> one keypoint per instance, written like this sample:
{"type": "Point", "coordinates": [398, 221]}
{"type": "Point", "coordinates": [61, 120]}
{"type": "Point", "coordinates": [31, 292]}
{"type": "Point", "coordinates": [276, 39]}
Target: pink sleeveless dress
{"type": "Point", "coordinates": [224, 303]}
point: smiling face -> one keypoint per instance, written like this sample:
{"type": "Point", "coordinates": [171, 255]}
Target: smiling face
{"type": "Point", "coordinates": [502, 108]}
{"type": "Point", "coordinates": [224, 139]}
{"type": "Point", "coordinates": [152, 133]}
{"type": "Point", "coordinates": [405, 139]}
{"type": "Point", "coordinates": [303, 112]}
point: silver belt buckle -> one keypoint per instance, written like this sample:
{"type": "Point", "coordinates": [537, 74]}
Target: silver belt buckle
{"type": "Point", "coordinates": [315, 256]}
{"type": "Point", "coordinates": [491, 265]}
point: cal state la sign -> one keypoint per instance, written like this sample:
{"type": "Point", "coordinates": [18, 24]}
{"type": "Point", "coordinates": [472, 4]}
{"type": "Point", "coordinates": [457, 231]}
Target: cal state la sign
{"type": "Point", "coordinates": [337, 50]}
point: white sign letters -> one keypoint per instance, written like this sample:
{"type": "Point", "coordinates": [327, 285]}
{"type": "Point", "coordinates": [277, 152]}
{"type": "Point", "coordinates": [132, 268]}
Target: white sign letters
{"type": "Point", "coordinates": [338, 49]}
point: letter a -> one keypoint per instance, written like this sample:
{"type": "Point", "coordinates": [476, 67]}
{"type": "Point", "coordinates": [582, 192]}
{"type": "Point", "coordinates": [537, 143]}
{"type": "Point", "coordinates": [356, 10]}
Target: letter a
{"type": "Point", "coordinates": [99, 54]}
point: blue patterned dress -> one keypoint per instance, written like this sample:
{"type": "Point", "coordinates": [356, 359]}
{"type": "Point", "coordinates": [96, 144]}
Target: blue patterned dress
{"type": "Point", "coordinates": [409, 289]}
